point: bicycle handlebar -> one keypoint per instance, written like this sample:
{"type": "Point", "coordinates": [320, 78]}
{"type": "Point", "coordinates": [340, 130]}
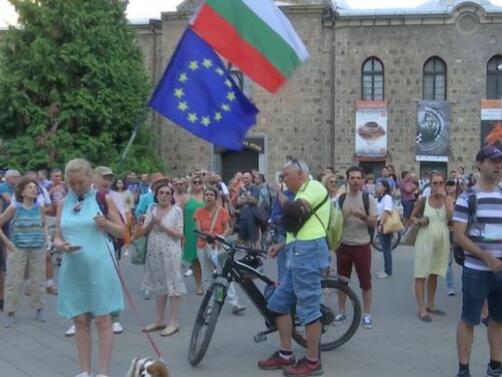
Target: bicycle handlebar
{"type": "Point", "coordinates": [210, 239]}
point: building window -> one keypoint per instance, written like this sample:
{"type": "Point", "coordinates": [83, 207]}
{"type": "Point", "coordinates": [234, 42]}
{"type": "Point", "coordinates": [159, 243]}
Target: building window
{"type": "Point", "coordinates": [435, 79]}
{"type": "Point", "coordinates": [372, 80]}
{"type": "Point", "coordinates": [494, 78]}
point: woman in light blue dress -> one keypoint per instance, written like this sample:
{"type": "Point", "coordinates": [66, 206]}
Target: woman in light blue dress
{"type": "Point", "coordinates": [89, 286]}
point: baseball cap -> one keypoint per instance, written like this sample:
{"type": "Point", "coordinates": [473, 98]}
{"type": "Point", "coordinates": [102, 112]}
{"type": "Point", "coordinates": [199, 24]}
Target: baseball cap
{"type": "Point", "coordinates": [103, 170]}
{"type": "Point", "coordinates": [12, 173]}
{"type": "Point", "coordinates": [489, 151]}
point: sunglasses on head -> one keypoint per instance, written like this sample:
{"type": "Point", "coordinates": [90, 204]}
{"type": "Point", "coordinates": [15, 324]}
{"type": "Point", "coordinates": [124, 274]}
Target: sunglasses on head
{"type": "Point", "coordinates": [295, 161]}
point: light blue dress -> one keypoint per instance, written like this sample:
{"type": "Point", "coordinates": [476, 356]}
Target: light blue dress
{"type": "Point", "coordinates": [88, 281]}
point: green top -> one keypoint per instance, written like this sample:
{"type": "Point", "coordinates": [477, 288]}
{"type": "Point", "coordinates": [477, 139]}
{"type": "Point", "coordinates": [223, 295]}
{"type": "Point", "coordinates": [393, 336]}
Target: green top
{"type": "Point", "coordinates": [313, 192]}
{"type": "Point", "coordinates": [190, 245]}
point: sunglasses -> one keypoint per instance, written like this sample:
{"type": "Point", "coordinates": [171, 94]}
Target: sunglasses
{"type": "Point", "coordinates": [78, 206]}
{"type": "Point", "coordinates": [332, 181]}
{"type": "Point", "coordinates": [438, 183]}
{"type": "Point", "coordinates": [197, 182]}
{"type": "Point", "coordinates": [295, 161]}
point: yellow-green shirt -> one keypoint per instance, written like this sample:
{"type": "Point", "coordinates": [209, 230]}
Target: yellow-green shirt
{"type": "Point", "coordinates": [313, 192]}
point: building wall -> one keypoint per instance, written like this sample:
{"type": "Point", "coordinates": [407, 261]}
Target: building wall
{"type": "Point", "coordinates": [403, 44]}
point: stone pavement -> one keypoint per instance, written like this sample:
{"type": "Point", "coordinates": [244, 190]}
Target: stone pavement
{"type": "Point", "coordinates": [398, 345]}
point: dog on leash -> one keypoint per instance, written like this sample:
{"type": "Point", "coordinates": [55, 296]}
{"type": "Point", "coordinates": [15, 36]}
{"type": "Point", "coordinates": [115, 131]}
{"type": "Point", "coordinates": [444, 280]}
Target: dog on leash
{"type": "Point", "coordinates": [147, 367]}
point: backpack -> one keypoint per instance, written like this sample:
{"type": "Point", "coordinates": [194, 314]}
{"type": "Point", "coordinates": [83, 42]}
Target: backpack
{"type": "Point", "coordinates": [103, 206]}
{"type": "Point", "coordinates": [334, 231]}
{"type": "Point", "coordinates": [366, 203]}
{"type": "Point", "coordinates": [458, 251]}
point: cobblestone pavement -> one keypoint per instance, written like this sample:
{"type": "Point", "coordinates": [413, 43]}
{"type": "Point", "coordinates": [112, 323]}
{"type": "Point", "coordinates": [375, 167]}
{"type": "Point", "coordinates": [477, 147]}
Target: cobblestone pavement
{"type": "Point", "coordinates": [398, 345]}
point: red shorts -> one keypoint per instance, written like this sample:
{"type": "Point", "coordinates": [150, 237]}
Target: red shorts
{"type": "Point", "coordinates": [358, 255]}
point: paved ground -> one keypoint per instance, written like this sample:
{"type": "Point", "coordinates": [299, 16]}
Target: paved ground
{"type": "Point", "coordinates": [398, 345]}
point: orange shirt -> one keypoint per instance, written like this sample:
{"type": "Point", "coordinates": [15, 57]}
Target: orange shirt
{"type": "Point", "coordinates": [204, 219]}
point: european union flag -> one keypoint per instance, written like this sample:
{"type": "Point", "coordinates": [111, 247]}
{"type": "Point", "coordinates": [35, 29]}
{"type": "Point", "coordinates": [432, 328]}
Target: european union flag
{"type": "Point", "coordinates": [197, 93]}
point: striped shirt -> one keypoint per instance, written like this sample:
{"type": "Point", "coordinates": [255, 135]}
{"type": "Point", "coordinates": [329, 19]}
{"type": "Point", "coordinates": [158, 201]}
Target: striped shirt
{"type": "Point", "coordinates": [486, 232]}
{"type": "Point", "coordinates": [27, 228]}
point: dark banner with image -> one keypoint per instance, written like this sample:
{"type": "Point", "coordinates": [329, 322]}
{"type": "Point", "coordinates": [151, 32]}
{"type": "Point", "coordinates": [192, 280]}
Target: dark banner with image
{"type": "Point", "coordinates": [433, 128]}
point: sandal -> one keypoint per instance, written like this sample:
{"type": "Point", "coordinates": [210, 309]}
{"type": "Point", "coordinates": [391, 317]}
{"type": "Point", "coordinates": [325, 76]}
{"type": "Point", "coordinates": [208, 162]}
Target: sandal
{"type": "Point", "coordinates": [154, 327]}
{"type": "Point", "coordinates": [200, 292]}
{"type": "Point", "coordinates": [435, 311]}
{"type": "Point", "coordinates": [425, 317]}
{"type": "Point", "coordinates": [170, 330]}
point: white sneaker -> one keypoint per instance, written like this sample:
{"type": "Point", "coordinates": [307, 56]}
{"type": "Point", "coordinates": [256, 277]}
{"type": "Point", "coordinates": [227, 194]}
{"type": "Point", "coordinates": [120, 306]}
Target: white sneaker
{"type": "Point", "coordinates": [382, 275]}
{"type": "Point", "coordinates": [117, 328]}
{"type": "Point", "coordinates": [451, 292]}
{"type": "Point", "coordinates": [71, 332]}
{"type": "Point", "coordinates": [85, 374]}
{"type": "Point", "coordinates": [188, 272]}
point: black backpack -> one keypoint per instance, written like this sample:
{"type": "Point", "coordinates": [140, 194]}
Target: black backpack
{"type": "Point", "coordinates": [366, 203]}
{"type": "Point", "coordinates": [458, 251]}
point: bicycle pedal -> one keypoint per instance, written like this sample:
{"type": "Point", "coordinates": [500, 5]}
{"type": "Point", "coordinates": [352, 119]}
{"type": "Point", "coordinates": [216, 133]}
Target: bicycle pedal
{"type": "Point", "coordinates": [259, 338]}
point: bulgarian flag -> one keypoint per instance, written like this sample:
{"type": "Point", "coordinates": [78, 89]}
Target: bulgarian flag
{"type": "Point", "coordinates": [253, 35]}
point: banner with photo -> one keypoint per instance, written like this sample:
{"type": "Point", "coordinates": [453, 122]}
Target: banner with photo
{"type": "Point", "coordinates": [491, 122]}
{"type": "Point", "coordinates": [433, 129]}
{"type": "Point", "coordinates": [371, 129]}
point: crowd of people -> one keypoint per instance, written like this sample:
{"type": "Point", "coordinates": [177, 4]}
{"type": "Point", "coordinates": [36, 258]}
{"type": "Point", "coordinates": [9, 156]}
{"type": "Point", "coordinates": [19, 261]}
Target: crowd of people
{"type": "Point", "coordinates": [87, 218]}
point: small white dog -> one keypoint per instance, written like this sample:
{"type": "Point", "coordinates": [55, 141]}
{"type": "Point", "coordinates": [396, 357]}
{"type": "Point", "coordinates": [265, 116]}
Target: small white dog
{"type": "Point", "coordinates": [147, 367]}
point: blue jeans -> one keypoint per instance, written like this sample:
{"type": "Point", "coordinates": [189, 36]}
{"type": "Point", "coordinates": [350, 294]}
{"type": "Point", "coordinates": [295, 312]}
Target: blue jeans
{"type": "Point", "coordinates": [301, 284]}
{"type": "Point", "coordinates": [385, 241]}
{"type": "Point", "coordinates": [450, 282]}
{"type": "Point", "coordinates": [407, 208]}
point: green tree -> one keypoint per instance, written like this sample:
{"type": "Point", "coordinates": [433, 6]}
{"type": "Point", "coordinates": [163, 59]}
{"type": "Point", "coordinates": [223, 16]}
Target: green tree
{"type": "Point", "coordinates": [72, 84]}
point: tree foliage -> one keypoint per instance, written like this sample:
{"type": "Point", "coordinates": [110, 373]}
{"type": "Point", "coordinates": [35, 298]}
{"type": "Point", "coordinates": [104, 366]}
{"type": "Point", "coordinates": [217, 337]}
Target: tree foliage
{"type": "Point", "coordinates": [72, 84]}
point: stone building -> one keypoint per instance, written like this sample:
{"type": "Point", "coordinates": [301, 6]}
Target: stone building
{"type": "Point", "coordinates": [438, 51]}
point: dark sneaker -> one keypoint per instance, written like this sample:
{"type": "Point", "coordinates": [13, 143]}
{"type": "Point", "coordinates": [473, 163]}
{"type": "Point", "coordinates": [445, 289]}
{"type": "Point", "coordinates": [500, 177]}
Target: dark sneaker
{"type": "Point", "coordinates": [303, 369]}
{"type": "Point", "coordinates": [276, 362]}
{"type": "Point", "coordinates": [463, 373]}
{"type": "Point", "coordinates": [493, 372]}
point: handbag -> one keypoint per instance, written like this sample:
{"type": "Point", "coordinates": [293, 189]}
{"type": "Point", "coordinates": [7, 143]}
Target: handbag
{"type": "Point", "coordinates": [410, 236]}
{"type": "Point", "coordinates": [138, 251]}
{"type": "Point", "coordinates": [393, 223]}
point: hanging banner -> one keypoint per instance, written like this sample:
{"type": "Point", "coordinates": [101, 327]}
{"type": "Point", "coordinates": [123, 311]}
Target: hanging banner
{"type": "Point", "coordinates": [433, 129]}
{"type": "Point", "coordinates": [371, 129]}
{"type": "Point", "coordinates": [491, 122]}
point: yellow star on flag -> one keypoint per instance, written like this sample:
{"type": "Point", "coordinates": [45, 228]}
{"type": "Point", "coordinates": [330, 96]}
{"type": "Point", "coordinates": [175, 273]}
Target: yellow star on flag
{"type": "Point", "coordinates": [218, 116]}
{"type": "Point", "coordinates": [182, 106]}
{"type": "Point", "coordinates": [192, 117]}
{"type": "Point", "coordinates": [231, 96]}
{"type": "Point", "coordinates": [205, 121]}
{"type": "Point", "coordinates": [225, 107]}
{"type": "Point", "coordinates": [219, 71]}
{"type": "Point", "coordinates": [193, 65]}
{"type": "Point", "coordinates": [183, 77]}
{"type": "Point", "coordinates": [207, 63]}
{"type": "Point", "coordinates": [178, 92]}
{"type": "Point", "coordinates": [228, 83]}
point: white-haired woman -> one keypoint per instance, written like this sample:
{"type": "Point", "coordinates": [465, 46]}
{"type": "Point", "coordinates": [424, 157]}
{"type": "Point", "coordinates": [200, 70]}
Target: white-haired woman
{"type": "Point", "coordinates": [89, 286]}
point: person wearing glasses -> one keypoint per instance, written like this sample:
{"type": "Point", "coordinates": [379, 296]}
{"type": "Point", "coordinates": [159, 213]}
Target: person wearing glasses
{"type": "Point", "coordinates": [163, 276]}
{"type": "Point", "coordinates": [329, 181]}
{"type": "Point", "coordinates": [432, 246]}
{"type": "Point", "coordinates": [89, 285]}
{"type": "Point", "coordinates": [194, 201]}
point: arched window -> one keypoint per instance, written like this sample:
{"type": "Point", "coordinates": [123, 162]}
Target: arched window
{"type": "Point", "coordinates": [372, 80]}
{"type": "Point", "coordinates": [435, 79]}
{"type": "Point", "coordinates": [494, 78]}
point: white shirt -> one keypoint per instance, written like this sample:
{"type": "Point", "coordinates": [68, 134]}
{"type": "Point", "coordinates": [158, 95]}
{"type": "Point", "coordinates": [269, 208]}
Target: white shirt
{"type": "Point", "coordinates": [385, 204]}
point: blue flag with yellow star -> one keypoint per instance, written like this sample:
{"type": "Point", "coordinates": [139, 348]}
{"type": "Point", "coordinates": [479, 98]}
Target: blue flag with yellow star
{"type": "Point", "coordinates": [197, 93]}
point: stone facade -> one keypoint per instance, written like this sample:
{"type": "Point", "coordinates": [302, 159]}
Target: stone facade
{"type": "Point", "coordinates": [313, 116]}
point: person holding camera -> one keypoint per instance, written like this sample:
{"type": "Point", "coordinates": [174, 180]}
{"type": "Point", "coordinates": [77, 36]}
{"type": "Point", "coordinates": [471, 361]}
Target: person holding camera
{"type": "Point", "coordinates": [432, 246]}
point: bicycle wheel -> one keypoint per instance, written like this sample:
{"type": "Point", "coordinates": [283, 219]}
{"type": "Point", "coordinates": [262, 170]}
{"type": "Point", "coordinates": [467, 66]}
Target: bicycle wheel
{"type": "Point", "coordinates": [396, 239]}
{"type": "Point", "coordinates": [205, 323]}
{"type": "Point", "coordinates": [334, 334]}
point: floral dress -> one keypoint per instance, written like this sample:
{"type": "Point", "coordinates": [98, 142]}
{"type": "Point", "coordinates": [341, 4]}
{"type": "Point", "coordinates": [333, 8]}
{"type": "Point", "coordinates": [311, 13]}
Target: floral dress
{"type": "Point", "coordinates": [163, 275]}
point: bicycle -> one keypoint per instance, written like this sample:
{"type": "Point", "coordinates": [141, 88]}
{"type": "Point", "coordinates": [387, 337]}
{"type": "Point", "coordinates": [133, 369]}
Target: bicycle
{"type": "Point", "coordinates": [395, 241]}
{"type": "Point", "coordinates": [243, 272]}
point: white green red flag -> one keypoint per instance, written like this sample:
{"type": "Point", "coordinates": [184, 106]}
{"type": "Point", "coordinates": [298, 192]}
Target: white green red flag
{"type": "Point", "coordinates": [255, 36]}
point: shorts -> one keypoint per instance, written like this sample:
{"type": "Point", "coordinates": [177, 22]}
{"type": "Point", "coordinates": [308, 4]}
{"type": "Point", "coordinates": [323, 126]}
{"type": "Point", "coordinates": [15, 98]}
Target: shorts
{"type": "Point", "coordinates": [478, 286]}
{"type": "Point", "coordinates": [360, 257]}
{"type": "Point", "coordinates": [248, 229]}
{"type": "Point", "coordinates": [301, 283]}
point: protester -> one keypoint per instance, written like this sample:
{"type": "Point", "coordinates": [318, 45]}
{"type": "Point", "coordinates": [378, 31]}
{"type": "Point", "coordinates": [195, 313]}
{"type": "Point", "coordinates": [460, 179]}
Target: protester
{"type": "Point", "coordinates": [215, 220]}
{"type": "Point", "coordinates": [369, 185]}
{"type": "Point", "coordinates": [246, 203]}
{"type": "Point", "coordinates": [88, 282]}
{"type": "Point", "coordinates": [482, 271]}
{"type": "Point", "coordinates": [407, 186]}
{"type": "Point", "coordinates": [120, 186]}
{"type": "Point", "coordinates": [308, 260]}
{"type": "Point", "coordinates": [385, 205]}
{"type": "Point", "coordinates": [164, 228]}
{"type": "Point", "coordinates": [432, 245]}
{"type": "Point", "coordinates": [452, 190]}
{"type": "Point", "coordinates": [146, 200]}
{"type": "Point", "coordinates": [26, 249]}
{"type": "Point", "coordinates": [8, 187]}
{"type": "Point", "coordinates": [180, 191]}
{"type": "Point", "coordinates": [329, 181]}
